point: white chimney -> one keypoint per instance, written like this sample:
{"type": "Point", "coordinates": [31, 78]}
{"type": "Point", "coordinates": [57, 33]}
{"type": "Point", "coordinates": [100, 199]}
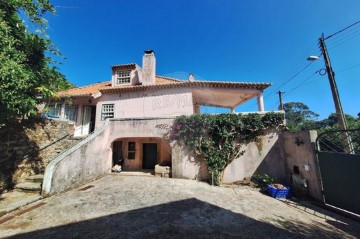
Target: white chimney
{"type": "Point", "coordinates": [148, 68]}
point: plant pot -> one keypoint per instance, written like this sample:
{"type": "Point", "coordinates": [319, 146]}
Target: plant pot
{"type": "Point", "coordinates": [279, 192]}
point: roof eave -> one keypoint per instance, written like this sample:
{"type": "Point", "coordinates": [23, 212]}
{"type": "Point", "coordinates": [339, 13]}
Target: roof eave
{"type": "Point", "coordinates": [258, 86]}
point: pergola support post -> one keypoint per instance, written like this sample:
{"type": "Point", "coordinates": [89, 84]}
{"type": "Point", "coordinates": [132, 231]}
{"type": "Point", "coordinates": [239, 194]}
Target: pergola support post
{"type": "Point", "coordinates": [260, 102]}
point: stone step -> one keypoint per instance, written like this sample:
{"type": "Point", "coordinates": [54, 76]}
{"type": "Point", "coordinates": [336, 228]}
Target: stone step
{"type": "Point", "coordinates": [28, 187]}
{"type": "Point", "coordinates": [38, 178]}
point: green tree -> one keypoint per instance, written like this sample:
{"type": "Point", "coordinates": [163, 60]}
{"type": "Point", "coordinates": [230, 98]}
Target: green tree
{"type": "Point", "coordinates": [299, 117]}
{"type": "Point", "coordinates": [331, 125]}
{"type": "Point", "coordinates": [28, 76]}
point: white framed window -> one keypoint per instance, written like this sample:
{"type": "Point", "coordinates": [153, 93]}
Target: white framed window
{"type": "Point", "coordinates": [107, 111]}
{"type": "Point", "coordinates": [71, 112]}
{"type": "Point", "coordinates": [54, 110]}
{"type": "Point", "coordinates": [122, 77]}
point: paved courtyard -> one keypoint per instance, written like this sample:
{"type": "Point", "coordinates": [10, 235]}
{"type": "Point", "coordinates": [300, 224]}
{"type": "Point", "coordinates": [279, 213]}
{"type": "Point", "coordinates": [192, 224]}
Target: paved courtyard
{"type": "Point", "coordinates": [118, 206]}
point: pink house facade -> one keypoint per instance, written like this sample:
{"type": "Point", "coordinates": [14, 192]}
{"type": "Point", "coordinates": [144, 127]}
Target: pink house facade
{"type": "Point", "coordinates": [136, 92]}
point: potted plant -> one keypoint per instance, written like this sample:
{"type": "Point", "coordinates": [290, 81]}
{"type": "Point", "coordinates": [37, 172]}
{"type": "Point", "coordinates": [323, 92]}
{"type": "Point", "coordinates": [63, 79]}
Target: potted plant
{"type": "Point", "coordinates": [262, 180]}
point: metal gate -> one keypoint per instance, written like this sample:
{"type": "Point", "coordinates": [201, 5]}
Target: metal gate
{"type": "Point", "coordinates": [340, 168]}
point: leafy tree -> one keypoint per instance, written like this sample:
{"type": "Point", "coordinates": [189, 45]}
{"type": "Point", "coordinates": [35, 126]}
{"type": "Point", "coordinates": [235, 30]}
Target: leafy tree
{"type": "Point", "coordinates": [299, 117]}
{"type": "Point", "coordinates": [334, 139]}
{"type": "Point", "coordinates": [27, 75]}
{"type": "Point", "coordinates": [331, 123]}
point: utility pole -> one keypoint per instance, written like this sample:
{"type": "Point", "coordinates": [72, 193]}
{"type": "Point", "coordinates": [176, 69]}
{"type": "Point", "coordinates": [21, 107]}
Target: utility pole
{"type": "Point", "coordinates": [281, 106]}
{"type": "Point", "coordinates": [346, 139]}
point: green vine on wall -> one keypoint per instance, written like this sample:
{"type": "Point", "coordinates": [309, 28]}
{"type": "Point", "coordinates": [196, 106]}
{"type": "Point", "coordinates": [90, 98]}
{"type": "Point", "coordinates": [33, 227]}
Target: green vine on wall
{"type": "Point", "coordinates": [217, 139]}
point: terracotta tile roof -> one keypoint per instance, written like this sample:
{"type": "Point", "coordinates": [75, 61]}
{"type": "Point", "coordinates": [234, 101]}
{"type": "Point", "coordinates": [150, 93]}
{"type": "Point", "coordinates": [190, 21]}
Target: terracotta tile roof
{"type": "Point", "coordinates": [124, 66]}
{"type": "Point", "coordinates": [165, 82]}
{"type": "Point", "coordinates": [85, 90]}
{"type": "Point", "coordinates": [160, 82]}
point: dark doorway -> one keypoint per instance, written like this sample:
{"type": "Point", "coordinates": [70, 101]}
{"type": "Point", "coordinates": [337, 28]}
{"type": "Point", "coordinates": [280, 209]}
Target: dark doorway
{"type": "Point", "coordinates": [149, 156]}
{"type": "Point", "coordinates": [92, 118]}
{"type": "Point", "coordinates": [117, 153]}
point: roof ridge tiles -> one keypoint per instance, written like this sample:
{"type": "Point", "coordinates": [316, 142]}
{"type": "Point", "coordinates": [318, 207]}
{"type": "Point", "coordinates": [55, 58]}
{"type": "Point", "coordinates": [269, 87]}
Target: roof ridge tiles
{"type": "Point", "coordinates": [127, 64]}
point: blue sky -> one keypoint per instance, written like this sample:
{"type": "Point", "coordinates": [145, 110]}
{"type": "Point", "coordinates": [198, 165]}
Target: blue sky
{"type": "Point", "coordinates": [256, 41]}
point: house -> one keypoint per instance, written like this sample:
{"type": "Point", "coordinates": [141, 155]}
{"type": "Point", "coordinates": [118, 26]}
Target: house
{"type": "Point", "coordinates": [137, 92]}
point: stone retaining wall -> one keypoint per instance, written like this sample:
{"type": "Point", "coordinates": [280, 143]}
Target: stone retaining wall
{"type": "Point", "coordinates": [27, 147]}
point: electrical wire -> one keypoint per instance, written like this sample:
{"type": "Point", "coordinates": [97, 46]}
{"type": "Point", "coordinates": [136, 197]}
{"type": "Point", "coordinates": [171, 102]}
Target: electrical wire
{"type": "Point", "coordinates": [304, 66]}
{"type": "Point", "coordinates": [344, 29]}
{"type": "Point", "coordinates": [302, 83]}
{"type": "Point", "coordinates": [344, 39]}
{"type": "Point", "coordinates": [347, 37]}
{"type": "Point", "coordinates": [344, 35]}
{"type": "Point", "coordinates": [348, 68]}
{"type": "Point", "coordinates": [290, 79]}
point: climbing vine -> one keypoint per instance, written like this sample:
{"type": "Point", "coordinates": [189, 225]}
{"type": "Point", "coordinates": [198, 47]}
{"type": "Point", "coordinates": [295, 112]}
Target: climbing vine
{"type": "Point", "coordinates": [218, 138]}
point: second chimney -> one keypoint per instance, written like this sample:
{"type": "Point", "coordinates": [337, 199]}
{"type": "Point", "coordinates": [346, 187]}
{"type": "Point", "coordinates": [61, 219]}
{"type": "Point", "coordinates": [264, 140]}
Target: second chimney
{"type": "Point", "coordinates": [148, 68]}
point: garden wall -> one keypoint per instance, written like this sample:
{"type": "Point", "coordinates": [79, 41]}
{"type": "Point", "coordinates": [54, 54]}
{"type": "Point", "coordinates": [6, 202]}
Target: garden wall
{"type": "Point", "coordinates": [299, 152]}
{"type": "Point", "coordinates": [27, 147]}
{"type": "Point", "coordinates": [264, 156]}
{"type": "Point", "coordinates": [276, 154]}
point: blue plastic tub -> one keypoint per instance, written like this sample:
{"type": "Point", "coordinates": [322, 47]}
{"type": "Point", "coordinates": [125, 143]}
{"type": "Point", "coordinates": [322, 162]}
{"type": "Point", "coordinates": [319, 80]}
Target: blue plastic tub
{"type": "Point", "coordinates": [279, 192]}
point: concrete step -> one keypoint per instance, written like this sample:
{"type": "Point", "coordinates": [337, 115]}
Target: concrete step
{"type": "Point", "coordinates": [28, 187]}
{"type": "Point", "coordinates": [35, 178]}
{"type": "Point", "coordinates": [38, 178]}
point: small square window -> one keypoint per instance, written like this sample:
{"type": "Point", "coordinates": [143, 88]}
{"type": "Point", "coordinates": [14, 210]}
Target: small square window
{"type": "Point", "coordinates": [107, 111]}
{"type": "Point", "coordinates": [123, 77]}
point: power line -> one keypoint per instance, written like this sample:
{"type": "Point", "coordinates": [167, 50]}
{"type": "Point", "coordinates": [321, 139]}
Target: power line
{"type": "Point", "coordinates": [303, 82]}
{"type": "Point", "coordinates": [345, 39]}
{"type": "Point", "coordinates": [290, 79]}
{"type": "Point", "coordinates": [348, 68]}
{"type": "Point", "coordinates": [285, 83]}
{"type": "Point", "coordinates": [345, 34]}
{"type": "Point", "coordinates": [344, 29]}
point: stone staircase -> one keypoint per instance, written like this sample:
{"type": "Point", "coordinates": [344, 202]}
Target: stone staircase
{"type": "Point", "coordinates": [31, 184]}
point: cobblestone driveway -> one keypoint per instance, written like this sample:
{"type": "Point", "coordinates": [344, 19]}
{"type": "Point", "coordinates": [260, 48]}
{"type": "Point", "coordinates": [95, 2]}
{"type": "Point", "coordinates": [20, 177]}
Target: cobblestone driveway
{"type": "Point", "coordinates": [149, 207]}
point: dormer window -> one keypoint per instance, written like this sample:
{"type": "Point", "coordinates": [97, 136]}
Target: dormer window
{"type": "Point", "coordinates": [122, 77]}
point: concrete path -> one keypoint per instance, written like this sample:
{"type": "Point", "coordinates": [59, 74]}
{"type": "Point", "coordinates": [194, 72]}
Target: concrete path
{"type": "Point", "coordinates": [14, 200]}
{"type": "Point", "coordinates": [118, 206]}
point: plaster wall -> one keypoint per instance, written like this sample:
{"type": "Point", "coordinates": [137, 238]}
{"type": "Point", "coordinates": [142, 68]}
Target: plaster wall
{"type": "Point", "coordinates": [265, 156]}
{"type": "Point", "coordinates": [185, 165]}
{"type": "Point", "coordinates": [299, 150]}
{"type": "Point", "coordinates": [163, 152]}
{"type": "Point", "coordinates": [92, 157]}
{"type": "Point", "coordinates": [275, 154]}
{"type": "Point", "coordinates": [151, 103]}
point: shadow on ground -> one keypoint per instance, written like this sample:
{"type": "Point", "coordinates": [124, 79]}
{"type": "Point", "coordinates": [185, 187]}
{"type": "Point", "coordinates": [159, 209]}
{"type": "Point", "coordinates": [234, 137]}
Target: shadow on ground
{"type": "Point", "coordinates": [190, 218]}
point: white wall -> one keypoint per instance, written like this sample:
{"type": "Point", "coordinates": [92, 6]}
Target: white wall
{"type": "Point", "coordinates": [150, 103]}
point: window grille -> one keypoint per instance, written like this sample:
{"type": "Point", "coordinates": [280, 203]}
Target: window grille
{"type": "Point", "coordinates": [107, 111]}
{"type": "Point", "coordinates": [123, 77]}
